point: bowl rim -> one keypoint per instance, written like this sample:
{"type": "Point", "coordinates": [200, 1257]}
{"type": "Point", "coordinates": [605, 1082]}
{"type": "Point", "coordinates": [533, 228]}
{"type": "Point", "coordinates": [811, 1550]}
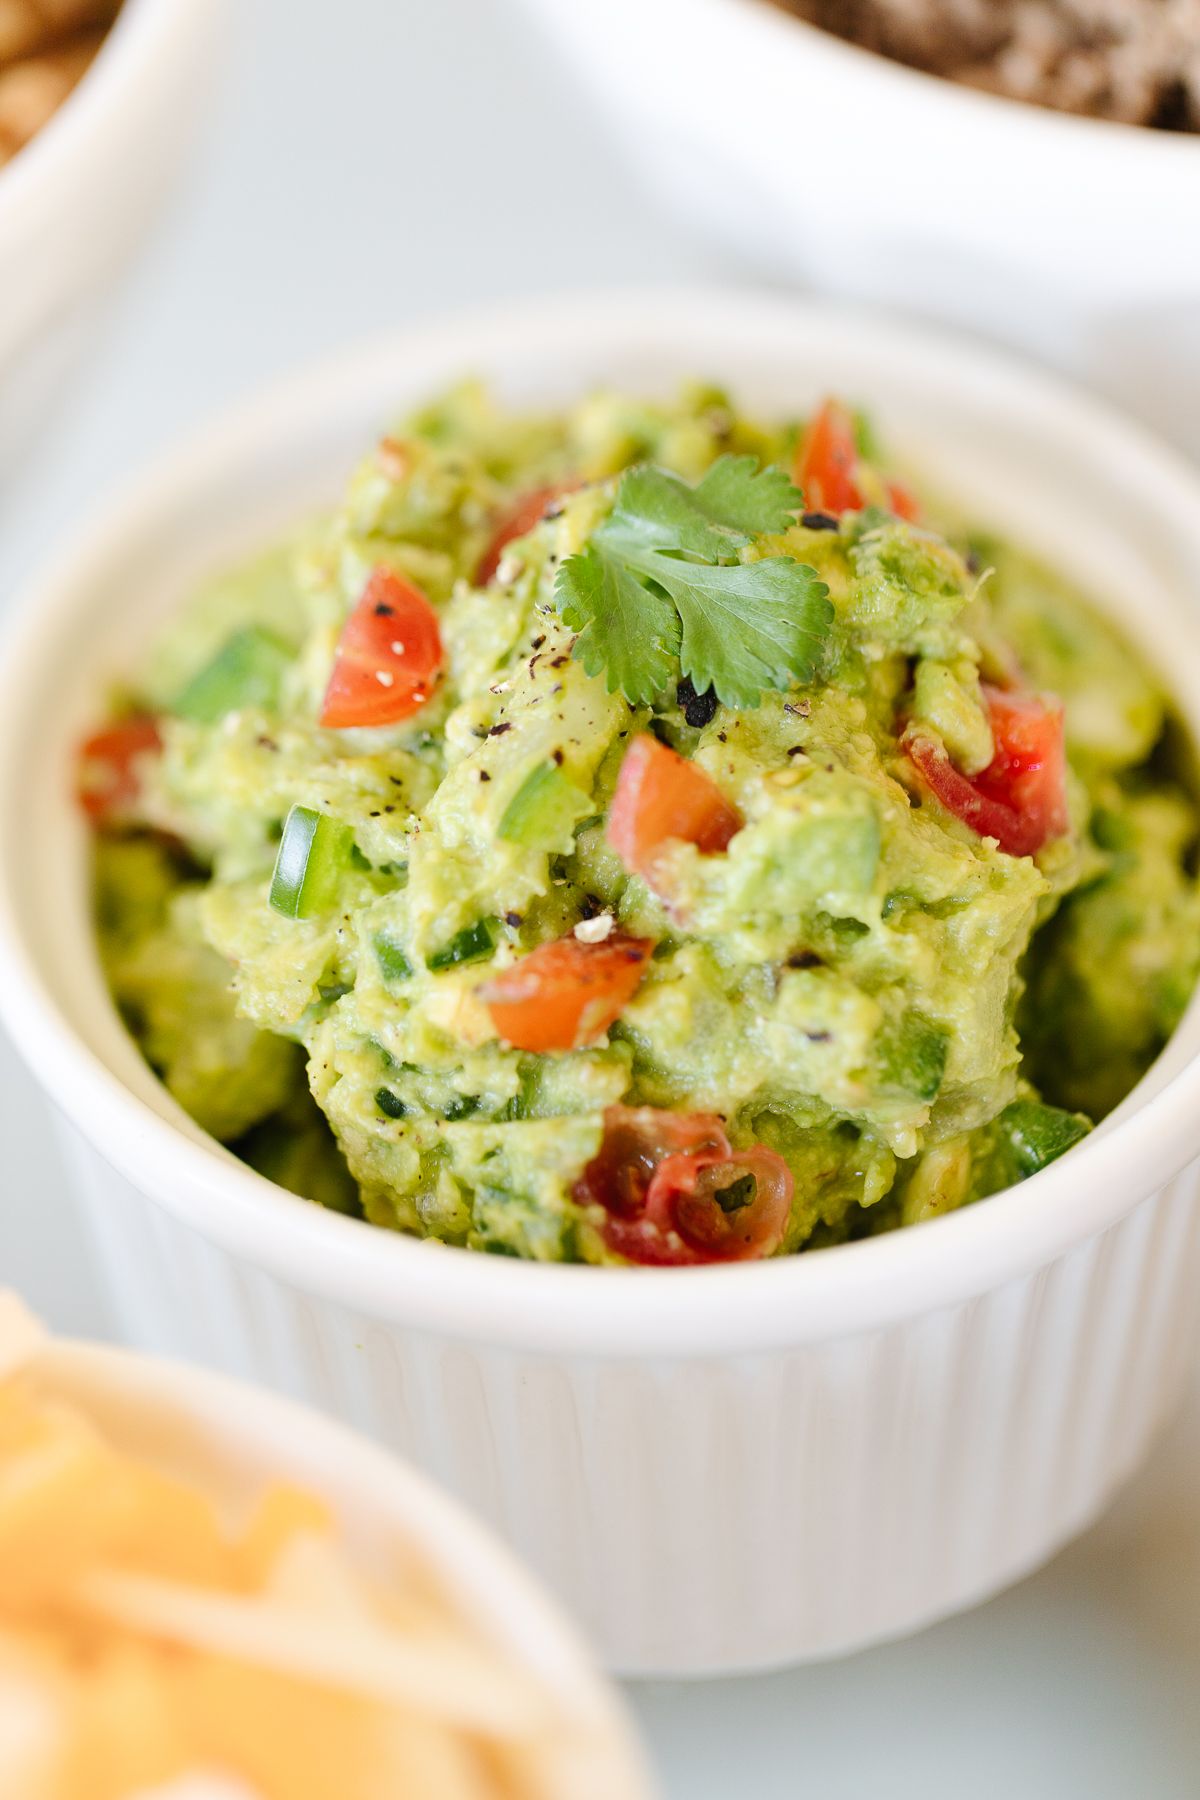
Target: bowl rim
{"type": "Point", "coordinates": [1114, 135]}
{"type": "Point", "coordinates": [268, 1435]}
{"type": "Point", "coordinates": [127, 56]}
{"type": "Point", "coordinates": [599, 1312]}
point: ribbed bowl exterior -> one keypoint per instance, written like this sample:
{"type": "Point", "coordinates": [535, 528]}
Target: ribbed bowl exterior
{"type": "Point", "coordinates": [701, 1516]}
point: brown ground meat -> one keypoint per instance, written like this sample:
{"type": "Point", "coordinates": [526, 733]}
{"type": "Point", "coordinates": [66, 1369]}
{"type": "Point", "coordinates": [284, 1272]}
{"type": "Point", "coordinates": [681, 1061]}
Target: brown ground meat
{"type": "Point", "coordinates": [1133, 60]}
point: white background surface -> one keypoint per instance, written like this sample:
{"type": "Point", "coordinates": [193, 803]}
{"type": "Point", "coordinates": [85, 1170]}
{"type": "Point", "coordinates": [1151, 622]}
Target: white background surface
{"type": "Point", "coordinates": [367, 161]}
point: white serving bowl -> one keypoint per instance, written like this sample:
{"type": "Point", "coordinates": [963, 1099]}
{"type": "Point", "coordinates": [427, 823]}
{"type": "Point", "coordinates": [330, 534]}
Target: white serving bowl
{"type": "Point", "coordinates": [719, 1468]}
{"type": "Point", "coordinates": [235, 1441]}
{"type": "Point", "coordinates": [75, 202]}
{"type": "Point", "coordinates": [817, 161]}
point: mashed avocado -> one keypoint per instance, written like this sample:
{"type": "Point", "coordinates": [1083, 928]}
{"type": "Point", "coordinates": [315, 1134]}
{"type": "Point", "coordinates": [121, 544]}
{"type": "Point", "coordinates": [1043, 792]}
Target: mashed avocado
{"type": "Point", "coordinates": [581, 846]}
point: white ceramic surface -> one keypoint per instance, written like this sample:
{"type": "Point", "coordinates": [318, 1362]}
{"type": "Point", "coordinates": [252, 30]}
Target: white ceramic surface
{"type": "Point", "coordinates": [720, 1468]}
{"type": "Point", "coordinates": [75, 201]}
{"type": "Point", "coordinates": [820, 162]}
{"type": "Point", "coordinates": [234, 1441]}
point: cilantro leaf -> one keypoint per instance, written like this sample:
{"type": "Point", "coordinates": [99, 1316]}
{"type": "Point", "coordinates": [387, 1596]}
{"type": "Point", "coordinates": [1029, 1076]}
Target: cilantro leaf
{"type": "Point", "coordinates": [753, 626]}
{"type": "Point", "coordinates": [627, 632]}
{"type": "Point", "coordinates": [739, 494]}
{"type": "Point", "coordinates": [655, 510]}
{"type": "Point", "coordinates": [662, 585]}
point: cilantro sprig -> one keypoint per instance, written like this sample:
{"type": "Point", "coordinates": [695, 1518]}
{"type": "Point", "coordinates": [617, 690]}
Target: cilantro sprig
{"type": "Point", "coordinates": [659, 590]}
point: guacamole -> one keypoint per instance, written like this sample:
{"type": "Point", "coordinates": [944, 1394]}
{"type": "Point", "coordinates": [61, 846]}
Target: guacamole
{"type": "Point", "coordinates": [639, 834]}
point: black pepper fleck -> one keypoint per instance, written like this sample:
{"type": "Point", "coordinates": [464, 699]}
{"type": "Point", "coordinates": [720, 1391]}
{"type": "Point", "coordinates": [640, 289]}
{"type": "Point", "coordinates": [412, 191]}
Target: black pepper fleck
{"type": "Point", "coordinates": [819, 521]}
{"type": "Point", "coordinates": [698, 709]}
{"type": "Point", "coordinates": [499, 730]}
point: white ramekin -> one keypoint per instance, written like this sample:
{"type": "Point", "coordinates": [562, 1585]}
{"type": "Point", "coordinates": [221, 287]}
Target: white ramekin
{"type": "Point", "coordinates": [234, 1441]}
{"type": "Point", "coordinates": [75, 201]}
{"type": "Point", "coordinates": [719, 1468]}
{"type": "Point", "coordinates": [817, 161]}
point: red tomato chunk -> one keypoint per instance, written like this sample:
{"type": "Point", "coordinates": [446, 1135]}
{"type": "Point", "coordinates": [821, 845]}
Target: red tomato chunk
{"type": "Point", "coordinates": [566, 994]}
{"type": "Point", "coordinates": [388, 657]}
{"type": "Point", "coordinates": [661, 796]}
{"type": "Point", "coordinates": [826, 465]}
{"type": "Point", "coordinates": [107, 769]}
{"type": "Point", "coordinates": [526, 511]}
{"type": "Point", "coordinates": [1020, 799]}
{"type": "Point", "coordinates": [675, 1191]}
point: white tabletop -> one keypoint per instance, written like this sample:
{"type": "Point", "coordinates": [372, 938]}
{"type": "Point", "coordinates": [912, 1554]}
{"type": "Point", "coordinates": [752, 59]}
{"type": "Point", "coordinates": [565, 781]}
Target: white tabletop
{"type": "Point", "coordinates": [366, 162]}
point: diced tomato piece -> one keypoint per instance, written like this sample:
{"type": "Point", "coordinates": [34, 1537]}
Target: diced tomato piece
{"type": "Point", "coordinates": [724, 1208]}
{"type": "Point", "coordinates": [388, 657]}
{"type": "Point", "coordinates": [526, 511]}
{"type": "Point", "coordinates": [661, 796]}
{"type": "Point", "coordinates": [565, 994]}
{"type": "Point", "coordinates": [826, 466]}
{"type": "Point", "coordinates": [1020, 799]}
{"type": "Point", "coordinates": [674, 1192]}
{"type": "Point", "coordinates": [636, 1139]}
{"type": "Point", "coordinates": [902, 500]}
{"type": "Point", "coordinates": [107, 768]}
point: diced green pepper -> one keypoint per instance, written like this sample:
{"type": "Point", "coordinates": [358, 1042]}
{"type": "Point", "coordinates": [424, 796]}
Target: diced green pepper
{"type": "Point", "coordinates": [866, 439]}
{"type": "Point", "coordinates": [246, 671]}
{"type": "Point", "coordinates": [545, 810]}
{"type": "Point", "coordinates": [740, 1192]}
{"type": "Point", "coordinates": [1034, 1134]}
{"type": "Point", "coordinates": [314, 853]}
{"type": "Point", "coordinates": [472, 944]}
{"type": "Point", "coordinates": [914, 1055]}
{"type": "Point", "coordinates": [393, 963]}
{"type": "Point", "coordinates": [898, 901]}
{"type": "Point", "coordinates": [522, 1104]}
{"type": "Point", "coordinates": [461, 1106]}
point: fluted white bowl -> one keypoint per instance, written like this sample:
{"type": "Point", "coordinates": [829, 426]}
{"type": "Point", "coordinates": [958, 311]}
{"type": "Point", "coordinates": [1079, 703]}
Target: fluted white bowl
{"type": "Point", "coordinates": [234, 1441]}
{"type": "Point", "coordinates": [75, 202]}
{"type": "Point", "coordinates": [718, 1468]}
